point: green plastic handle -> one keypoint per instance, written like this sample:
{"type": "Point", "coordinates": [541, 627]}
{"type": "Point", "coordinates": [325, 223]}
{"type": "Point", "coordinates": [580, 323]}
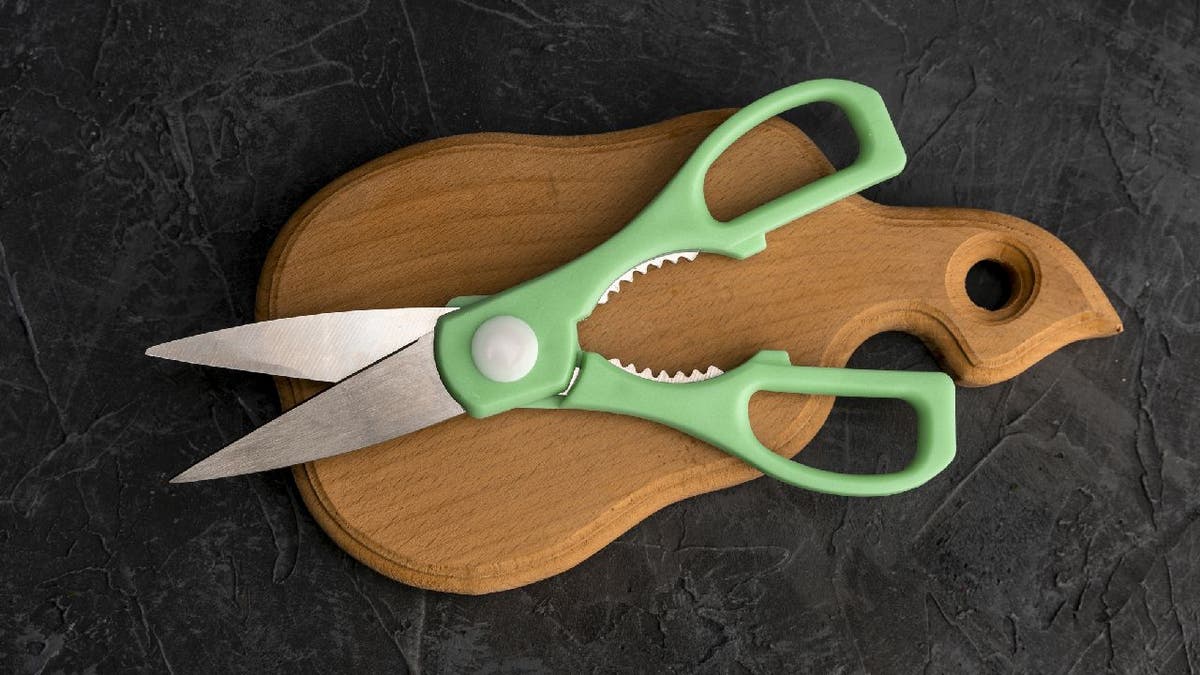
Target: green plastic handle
{"type": "Point", "coordinates": [677, 219]}
{"type": "Point", "coordinates": [718, 411]}
{"type": "Point", "coordinates": [681, 202]}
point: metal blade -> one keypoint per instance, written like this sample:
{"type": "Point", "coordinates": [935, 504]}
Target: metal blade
{"type": "Point", "coordinates": [400, 394]}
{"type": "Point", "coordinates": [324, 347]}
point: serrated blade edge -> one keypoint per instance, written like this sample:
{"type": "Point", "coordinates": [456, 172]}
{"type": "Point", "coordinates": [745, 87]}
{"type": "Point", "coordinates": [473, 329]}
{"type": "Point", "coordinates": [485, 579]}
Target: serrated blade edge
{"type": "Point", "coordinates": [679, 377]}
{"type": "Point", "coordinates": [653, 263]}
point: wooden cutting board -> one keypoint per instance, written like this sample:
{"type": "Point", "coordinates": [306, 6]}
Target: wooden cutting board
{"type": "Point", "coordinates": [475, 506]}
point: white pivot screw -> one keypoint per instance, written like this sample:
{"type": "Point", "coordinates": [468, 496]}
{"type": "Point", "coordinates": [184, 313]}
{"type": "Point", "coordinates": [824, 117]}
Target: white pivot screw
{"type": "Point", "coordinates": [504, 348]}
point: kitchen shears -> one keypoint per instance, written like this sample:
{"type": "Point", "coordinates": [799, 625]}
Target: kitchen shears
{"type": "Point", "coordinates": [400, 370]}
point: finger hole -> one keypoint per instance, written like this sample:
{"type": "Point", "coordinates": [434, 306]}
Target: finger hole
{"type": "Point", "coordinates": [777, 157]}
{"type": "Point", "coordinates": [858, 436]}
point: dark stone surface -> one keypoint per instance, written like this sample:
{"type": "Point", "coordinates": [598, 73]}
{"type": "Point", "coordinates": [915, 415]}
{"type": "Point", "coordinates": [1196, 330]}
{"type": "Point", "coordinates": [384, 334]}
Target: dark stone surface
{"type": "Point", "coordinates": [149, 153]}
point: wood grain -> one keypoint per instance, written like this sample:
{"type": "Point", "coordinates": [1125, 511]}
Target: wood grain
{"type": "Point", "coordinates": [476, 506]}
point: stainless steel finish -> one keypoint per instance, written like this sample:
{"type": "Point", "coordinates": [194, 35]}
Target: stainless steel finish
{"type": "Point", "coordinates": [398, 395]}
{"type": "Point", "coordinates": [324, 347]}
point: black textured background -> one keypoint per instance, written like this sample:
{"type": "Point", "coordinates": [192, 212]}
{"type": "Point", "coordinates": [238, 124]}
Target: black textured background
{"type": "Point", "coordinates": [150, 151]}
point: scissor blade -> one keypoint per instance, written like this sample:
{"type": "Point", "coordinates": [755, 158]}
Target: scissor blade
{"type": "Point", "coordinates": [400, 394]}
{"type": "Point", "coordinates": [323, 347]}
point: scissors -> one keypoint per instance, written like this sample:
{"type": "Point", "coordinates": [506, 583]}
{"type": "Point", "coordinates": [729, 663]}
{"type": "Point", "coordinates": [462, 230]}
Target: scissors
{"type": "Point", "coordinates": [401, 370]}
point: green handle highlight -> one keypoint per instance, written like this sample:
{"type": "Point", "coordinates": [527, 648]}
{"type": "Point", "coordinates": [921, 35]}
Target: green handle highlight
{"type": "Point", "coordinates": [718, 412]}
{"type": "Point", "coordinates": [677, 219]}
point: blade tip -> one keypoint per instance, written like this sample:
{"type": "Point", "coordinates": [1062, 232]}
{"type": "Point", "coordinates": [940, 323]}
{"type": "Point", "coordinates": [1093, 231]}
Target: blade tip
{"type": "Point", "coordinates": [191, 475]}
{"type": "Point", "coordinates": [159, 351]}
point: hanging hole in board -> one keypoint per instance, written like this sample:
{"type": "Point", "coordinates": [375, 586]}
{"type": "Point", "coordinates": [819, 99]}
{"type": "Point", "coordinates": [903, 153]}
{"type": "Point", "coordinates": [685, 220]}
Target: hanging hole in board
{"type": "Point", "coordinates": [992, 279]}
{"type": "Point", "coordinates": [989, 284]}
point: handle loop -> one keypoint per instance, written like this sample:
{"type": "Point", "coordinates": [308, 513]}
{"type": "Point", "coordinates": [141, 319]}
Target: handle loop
{"type": "Point", "coordinates": [717, 411]}
{"type": "Point", "coordinates": [681, 204]}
